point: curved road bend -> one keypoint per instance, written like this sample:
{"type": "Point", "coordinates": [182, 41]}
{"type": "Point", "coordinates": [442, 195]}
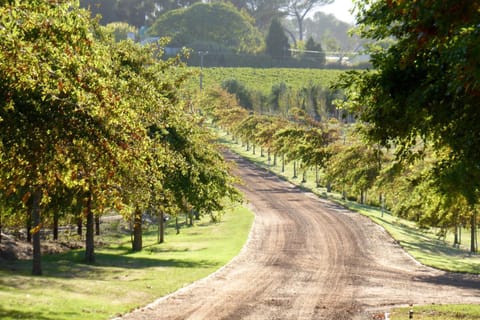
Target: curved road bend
{"type": "Point", "coordinates": [309, 259]}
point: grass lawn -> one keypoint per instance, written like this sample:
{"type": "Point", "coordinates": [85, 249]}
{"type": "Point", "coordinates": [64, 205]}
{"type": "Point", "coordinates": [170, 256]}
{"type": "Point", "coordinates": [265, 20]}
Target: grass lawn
{"type": "Point", "coordinates": [121, 280]}
{"type": "Point", "coordinates": [438, 312]}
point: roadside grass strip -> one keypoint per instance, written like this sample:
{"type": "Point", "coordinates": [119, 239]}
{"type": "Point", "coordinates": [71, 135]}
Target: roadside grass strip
{"type": "Point", "coordinates": [438, 312]}
{"type": "Point", "coordinates": [120, 280]}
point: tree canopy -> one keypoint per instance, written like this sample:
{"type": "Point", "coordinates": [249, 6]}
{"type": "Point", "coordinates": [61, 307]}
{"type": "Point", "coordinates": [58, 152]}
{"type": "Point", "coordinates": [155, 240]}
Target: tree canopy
{"type": "Point", "coordinates": [93, 123]}
{"type": "Point", "coordinates": [214, 24]}
{"type": "Point", "coordinates": [276, 41]}
{"type": "Point", "coordinates": [424, 89]}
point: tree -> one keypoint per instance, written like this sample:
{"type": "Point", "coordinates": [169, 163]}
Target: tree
{"type": "Point", "coordinates": [219, 25]}
{"type": "Point", "coordinates": [276, 42]}
{"type": "Point", "coordinates": [55, 102]}
{"type": "Point", "coordinates": [67, 122]}
{"type": "Point", "coordinates": [299, 10]}
{"type": "Point", "coordinates": [263, 11]}
{"type": "Point", "coordinates": [236, 87]}
{"type": "Point", "coordinates": [425, 87]}
{"type": "Point", "coordinates": [332, 33]}
{"type": "Point", "coordinates": [314, 51]}
{"type": "Point", "coordinates": [134, 12]}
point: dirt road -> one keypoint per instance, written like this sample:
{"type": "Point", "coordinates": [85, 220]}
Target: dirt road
{"type": "Point", "coordinates": [310, 259]}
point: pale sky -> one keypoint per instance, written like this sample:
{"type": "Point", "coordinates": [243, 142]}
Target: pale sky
{"type": "Point", "coordinates": [340, 9]}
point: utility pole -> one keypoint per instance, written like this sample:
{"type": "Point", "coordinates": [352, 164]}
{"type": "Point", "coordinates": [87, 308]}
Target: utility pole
{"type": "Point", "coordinates": [202, 54]}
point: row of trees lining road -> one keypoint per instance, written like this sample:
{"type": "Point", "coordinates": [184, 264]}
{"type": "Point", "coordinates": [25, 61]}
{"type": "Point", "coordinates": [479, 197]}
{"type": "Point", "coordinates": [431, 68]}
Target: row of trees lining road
{"type": "Point", "coordinates": [424, 89]}
{"type": "Point", "coordinates": [346, 163]}
{"type": "Point", "coordinates": [90, 125]}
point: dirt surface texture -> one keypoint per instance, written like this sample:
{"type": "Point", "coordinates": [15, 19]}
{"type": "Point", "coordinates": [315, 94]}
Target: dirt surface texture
{"type": "Point", "coordinates": [308, 258]}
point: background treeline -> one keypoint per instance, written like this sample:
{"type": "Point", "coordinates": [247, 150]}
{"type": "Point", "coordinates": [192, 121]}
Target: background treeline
{"type": "Point", "coordinates": [315, 136]}
{"type": "Point", "coordinates": [276, 33]}
{"type": "Point", "coordinates": [92, 126]}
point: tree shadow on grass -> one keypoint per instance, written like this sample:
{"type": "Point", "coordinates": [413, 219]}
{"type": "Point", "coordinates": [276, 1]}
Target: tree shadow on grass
{"type": "Point", "coordinates": [72, 265]}
{"type": "Point", "coordinates": [457, 280]}
{"type": "Point", "coordinates": [434, 248]}
{"type": "Point", "coordinates": [18, 314]}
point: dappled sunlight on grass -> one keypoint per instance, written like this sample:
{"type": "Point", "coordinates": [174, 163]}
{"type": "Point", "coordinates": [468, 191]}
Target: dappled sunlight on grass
{"type": "Point", "coordinates": [120, 279]}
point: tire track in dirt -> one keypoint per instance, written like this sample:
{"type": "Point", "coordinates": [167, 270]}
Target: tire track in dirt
{"type": "Point", "coordinates": [308, 258]}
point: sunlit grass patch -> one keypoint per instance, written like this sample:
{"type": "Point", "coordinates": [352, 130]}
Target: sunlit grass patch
{"type": "Point", "coordinates": [120, 280]}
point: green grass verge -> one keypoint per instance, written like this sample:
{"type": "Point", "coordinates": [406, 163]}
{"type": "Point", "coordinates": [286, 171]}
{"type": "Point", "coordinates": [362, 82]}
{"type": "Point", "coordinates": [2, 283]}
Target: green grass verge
{"type": "Point", "coordinates": [120, 280]}
{"type": "Point", "coordinates": [438, 312]}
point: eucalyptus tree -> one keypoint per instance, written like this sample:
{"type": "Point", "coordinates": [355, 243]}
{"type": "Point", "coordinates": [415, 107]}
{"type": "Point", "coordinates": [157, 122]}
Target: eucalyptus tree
{"type": "Point", "coordinates": [299, 9]}
{"type": "Point", "coordinates": [425, 86]}
{"type": "Point", "coordinates": [263, 11]}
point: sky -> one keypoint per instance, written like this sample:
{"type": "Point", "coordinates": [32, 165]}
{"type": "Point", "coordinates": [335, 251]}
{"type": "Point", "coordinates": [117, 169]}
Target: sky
{"type": "Point", "coordinates": [340, 9]}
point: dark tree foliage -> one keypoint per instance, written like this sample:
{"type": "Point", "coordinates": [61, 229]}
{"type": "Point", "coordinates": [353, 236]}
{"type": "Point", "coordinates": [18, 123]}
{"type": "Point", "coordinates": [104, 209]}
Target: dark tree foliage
{"type": "Point", "coordinates": [314, 51]}
{"type": "Point", "coordinates": [425, 89]}
{"type": "Point", "coordinates": [134, 12]}
{"type": "Point", "coordinates": [205, 26]}
{"type": "Point", "coordinates": [276, 42]}
{"type": "Point", "coordinates": [263, 11]}
{"type": "Point", "coordinates": [240, 90]}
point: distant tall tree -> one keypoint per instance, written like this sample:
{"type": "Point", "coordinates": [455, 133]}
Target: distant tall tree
{"type": "Point", "coordinates": [314, 51]}
{"type": "Point", "coordinates": [299, 10]}
{"type": "Point", "coordinates": [277, 42]}
{"type": "Point", "coordinates": [134, 12]}
{"type": "Point", "coordinates": [263, 11]}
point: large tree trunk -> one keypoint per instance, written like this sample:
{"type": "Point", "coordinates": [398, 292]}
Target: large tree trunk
{"type": "Point", "coordinates": [456, 242]}
{"type": "Point", "coordinates": [55, 225]}
{"type": "Point", "coordinates": [137, 231]}
{"type": "Point", "coordinates": [177, 226]}
{"type": "Point", "coordinates": [79, 225]}
{"type": "Point", "coordinates": [97, 225]}
{"type": "Point", "coordinates": [190, 217]}
{"type": "Point", "coordinates": [473, 238]}
{"type": "Point", "coordinates": [161, 227]}
{"type": "Point", "coordinates": [36, 219]}
{"type": "Point", "coordinates": [29, 224]}
{"type": "Point", "coordinates": [89, 233]}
